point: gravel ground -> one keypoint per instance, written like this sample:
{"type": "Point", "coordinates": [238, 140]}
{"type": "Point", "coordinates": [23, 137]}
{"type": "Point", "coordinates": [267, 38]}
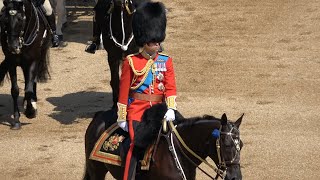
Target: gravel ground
{"type": "Point", "coordinates": [257, 57]}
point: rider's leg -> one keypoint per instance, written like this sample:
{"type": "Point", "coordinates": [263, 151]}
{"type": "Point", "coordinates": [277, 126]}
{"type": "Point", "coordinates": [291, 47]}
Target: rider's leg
{"type": "Point", "coordinates": [91, 48]}
{"type": "Point", "coordinates": [61, 17]}
{"type": "Point", "coordinates": [132, 156]}
{"type": "Point", "coordinates": [52, 22]}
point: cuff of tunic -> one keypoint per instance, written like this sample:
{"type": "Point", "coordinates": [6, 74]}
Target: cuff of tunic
{"type": "Point", "coordinates": [171, 102]}
{"type": "Point", "coordinates": [122, 112]}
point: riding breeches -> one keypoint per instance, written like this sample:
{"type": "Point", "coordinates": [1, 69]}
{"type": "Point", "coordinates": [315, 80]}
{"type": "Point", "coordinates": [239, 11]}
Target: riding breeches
{"type": "Point", "coordinates": [131, 160]}
{"type": "Point", "coordinates": [60, 11]}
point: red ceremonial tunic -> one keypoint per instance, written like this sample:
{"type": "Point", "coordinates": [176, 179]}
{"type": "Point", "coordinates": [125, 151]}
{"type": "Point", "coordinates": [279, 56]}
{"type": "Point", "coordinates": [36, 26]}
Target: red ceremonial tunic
{"type": "Point", "coordinates": [162, 76]}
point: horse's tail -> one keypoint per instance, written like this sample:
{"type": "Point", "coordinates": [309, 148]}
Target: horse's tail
{"type": "Point", "coordinates": [4, 66]}
{"type": "Point", "coordinates": [43, 66]}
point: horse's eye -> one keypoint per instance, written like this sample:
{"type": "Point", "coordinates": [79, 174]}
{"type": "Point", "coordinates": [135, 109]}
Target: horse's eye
{"type": "Point", "coordinates": [12, 12]}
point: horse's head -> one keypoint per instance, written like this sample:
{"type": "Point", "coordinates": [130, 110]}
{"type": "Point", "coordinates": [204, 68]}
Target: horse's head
{"type": "Point", "coordinates": [217, 138]}
{"type": "Point", "coordinates": [14, 23]}
{"type": "Point", "coordinates": [231, 144]}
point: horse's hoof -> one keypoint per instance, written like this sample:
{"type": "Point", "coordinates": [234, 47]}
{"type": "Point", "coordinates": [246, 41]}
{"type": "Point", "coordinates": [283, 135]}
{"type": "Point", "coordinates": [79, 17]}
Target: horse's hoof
{"type": "Point", "coordinates": [15, 126]}
{"type": "Point", "coordinates": [31, 113]}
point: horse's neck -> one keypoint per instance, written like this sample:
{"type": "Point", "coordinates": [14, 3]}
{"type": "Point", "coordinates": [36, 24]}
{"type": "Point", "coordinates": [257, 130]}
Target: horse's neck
{"type": "Point", "coordinates": [193, 137]}
{"type": "Point", "coordinates": [197, 136]}
{"type": "Point", "coordinates": [117, 18]}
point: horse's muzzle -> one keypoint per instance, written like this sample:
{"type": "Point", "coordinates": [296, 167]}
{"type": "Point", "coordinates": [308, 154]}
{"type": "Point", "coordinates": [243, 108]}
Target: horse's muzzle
{"type": "Point", "coordinates": [15, 45]}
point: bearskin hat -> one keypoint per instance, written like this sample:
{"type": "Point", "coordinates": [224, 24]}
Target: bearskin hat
{"type": "Point", "coordinates": [149, 23]}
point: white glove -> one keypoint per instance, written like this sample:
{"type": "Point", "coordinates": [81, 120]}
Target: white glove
{"type": "Point", "coordinates": [123, 125]}
{"type": "Point", "coordinates": [169, 116]}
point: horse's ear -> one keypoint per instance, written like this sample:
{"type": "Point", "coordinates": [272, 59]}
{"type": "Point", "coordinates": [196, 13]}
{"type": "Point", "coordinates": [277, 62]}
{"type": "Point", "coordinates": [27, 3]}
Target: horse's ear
{"type": "Point", "coordinates": [224, 119]}
{"type": "Point", "coordinates": [238, 122]}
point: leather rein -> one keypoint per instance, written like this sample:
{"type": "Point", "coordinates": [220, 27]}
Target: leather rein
{"type": "Point", "coordinates": [172, 132]}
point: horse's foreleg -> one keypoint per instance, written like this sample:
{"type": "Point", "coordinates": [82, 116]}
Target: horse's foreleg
{"type": "Point", "coordinates": [95, 170]}
{"type": "Point", "coordinates": [15, 94]}
{"type": "Point", "coordinates": [114, 63]}
{"type": "Point", "coordinates": [3, 69]}
{"type": "Point", "coordinates": [30, 90]}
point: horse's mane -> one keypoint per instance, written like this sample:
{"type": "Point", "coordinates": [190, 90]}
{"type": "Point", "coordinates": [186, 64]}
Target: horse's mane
{"type": "Point", "coordinates": [192, 120]}
{"type": "Point", "coordinates": [136, 3]}
{"type": "Point", "coordinates": [148, 130]}
{"type": "Point", "coordinates": [105, 4]}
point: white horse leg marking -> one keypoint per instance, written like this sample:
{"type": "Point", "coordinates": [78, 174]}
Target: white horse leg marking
{"type": "Point", "coordinates": [34, 105]}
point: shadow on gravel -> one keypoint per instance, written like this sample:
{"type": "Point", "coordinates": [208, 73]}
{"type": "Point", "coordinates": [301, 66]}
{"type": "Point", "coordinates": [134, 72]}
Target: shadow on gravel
{"type": "Point", "coordinates": [6, 110]}
{"type": "Point", "coordinates": [70, 107]}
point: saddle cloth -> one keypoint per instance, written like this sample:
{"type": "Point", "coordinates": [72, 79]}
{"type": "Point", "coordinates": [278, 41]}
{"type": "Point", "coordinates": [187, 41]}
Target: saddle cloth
{"type": "Point", "coordinates": [113, 145]}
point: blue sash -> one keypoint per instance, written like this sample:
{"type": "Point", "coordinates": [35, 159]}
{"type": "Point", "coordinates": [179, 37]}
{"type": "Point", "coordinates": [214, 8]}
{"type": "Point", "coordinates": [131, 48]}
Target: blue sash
{"type": "Point", "coordinates": [160, 64]}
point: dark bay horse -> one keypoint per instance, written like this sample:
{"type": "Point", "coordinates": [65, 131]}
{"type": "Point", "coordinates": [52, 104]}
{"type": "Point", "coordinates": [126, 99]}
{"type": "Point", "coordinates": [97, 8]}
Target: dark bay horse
{"type": "Point", "coordinates": [178, 152]}
{"type": "Point", "coordinates": [114, 18]}
{"type": "Point", "coordinates": [25, 40]}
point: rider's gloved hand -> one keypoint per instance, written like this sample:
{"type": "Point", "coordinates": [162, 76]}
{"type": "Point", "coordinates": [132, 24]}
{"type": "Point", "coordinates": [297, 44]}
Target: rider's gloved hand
{"type": "Point", "coordinates": [169, 116]}
{"type": "Point", "coordinates": [123, 125]}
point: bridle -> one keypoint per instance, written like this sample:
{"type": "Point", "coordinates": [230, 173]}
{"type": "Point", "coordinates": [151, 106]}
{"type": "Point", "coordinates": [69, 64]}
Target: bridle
{"type": "Point", "coordinates": [124, 6]}
{"type": "Point", "coordinates": [220, 168]}
{"type": "Point", "coordinates": [236, 142]}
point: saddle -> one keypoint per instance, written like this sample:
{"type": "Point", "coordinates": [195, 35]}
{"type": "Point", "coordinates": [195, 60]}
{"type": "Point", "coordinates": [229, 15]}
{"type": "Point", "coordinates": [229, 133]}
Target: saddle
{"type": "Point", "coordinates": [113, 145]}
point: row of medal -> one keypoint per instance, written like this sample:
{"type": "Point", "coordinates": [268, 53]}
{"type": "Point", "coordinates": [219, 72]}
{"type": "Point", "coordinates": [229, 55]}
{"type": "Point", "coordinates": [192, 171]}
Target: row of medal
{"type": "Point", "coordinates": [160, 67]}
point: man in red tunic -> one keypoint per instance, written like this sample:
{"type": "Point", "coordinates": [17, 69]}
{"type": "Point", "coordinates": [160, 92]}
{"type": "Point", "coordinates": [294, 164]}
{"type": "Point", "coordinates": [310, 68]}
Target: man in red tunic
{"type": "Point", "coordinates": [147, 77]}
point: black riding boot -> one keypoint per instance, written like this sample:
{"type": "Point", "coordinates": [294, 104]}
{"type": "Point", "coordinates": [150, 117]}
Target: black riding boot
{"type": "Point", "coordinates": [52, 22]}
{"type": "Point", "coordinates": [91, 48]}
